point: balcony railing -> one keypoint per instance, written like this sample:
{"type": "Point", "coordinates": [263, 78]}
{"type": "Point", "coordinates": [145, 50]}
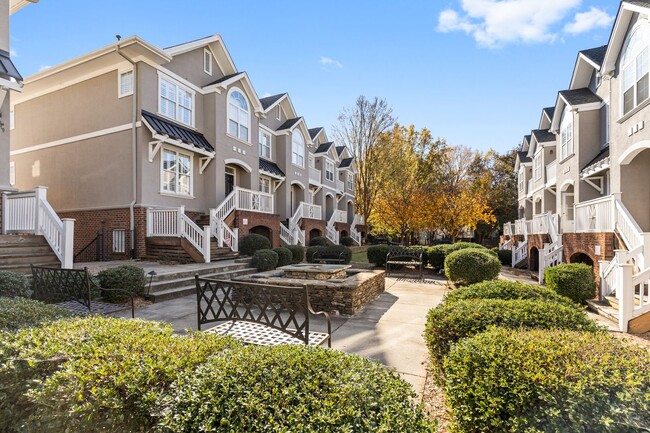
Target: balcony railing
{"type": "Point", "coordinates": [314, 175]}
{"type": "Point", "coordinates": [595, 215]}
{"type": "Point", "coordinates": [551, 173]}
{"type": "Point", "coordinates": [255, 201]}
{"type": "Point", "coordinates": [339, 216]}
{"type": "Point", "coordinates": [174, 222]}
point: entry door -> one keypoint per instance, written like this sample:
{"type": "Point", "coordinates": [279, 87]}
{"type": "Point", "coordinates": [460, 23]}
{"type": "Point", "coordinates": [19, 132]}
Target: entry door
{"type": "Point", "coordinates": [567, 212]}
{"type": "Point", "coordinates": [230, 180]}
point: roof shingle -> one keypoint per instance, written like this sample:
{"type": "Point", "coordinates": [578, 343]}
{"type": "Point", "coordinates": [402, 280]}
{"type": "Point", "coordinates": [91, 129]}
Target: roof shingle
{"type": "Point", "coordinates": [270, 100]}
{"type": "Point", "coordinates": [543, 135]}
{"type": "Point", "coordinates": [346, 162]}
{"type": "Point", "coordinates": [596, 55]}
{"type": "Point", "coordinates": [289, 123]}
{"type": "Point", "coordinates": [580, 96]}
{"type": "Point", "coordinates": [177, 131]}
{"type": "Point", "coordinates": [225, 78]}
{"type": "Point", "coordinates": [313, 132]}
{"type": "Point", "coordinates": [324, 148]}
{"type": "Point", "coordinates": [523, 157]}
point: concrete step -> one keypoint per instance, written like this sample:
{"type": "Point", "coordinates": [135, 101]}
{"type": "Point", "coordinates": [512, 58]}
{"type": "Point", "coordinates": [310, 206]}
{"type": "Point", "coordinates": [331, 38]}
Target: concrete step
{"type": "Point", "coordinates": [189, 288]}
{"type": "Point", "coordinates": [213, 269]}
{"type": "Point", "coordinates": [22, 240]}
{"type": "Point", "coordinates": [26, 269]}
{"type": "Point", "coordinates": [171, 281]}
{"type": "Point", "coordinates": [604, 309]}
{"type": "Point", "coordinates": [26, 258]}
{"type": "Point", "coordinates": [24, 249]}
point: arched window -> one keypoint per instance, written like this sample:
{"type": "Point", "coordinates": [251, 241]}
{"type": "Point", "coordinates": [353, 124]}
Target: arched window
{"type": "Point", "coordinates": [238, 115]}
{"type": "Point", "coordinates": [566, 133]}
{"type": "Point", "coordinates": [635, 68]}
{"type": "Point", "coordinates": [298, 148]}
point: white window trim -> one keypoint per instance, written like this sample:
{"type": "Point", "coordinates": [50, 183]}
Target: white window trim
{"type": "Point", "coordinates": [171, 80]}
{"type": "Point", "coordinates": [264, 133]}
{"type": "Point", "coordinates": [121, 72]}
{"type": "Point", "coordinates": [162, 161]}
{"type": "Point", "coordinates": [566, 125]}
{"type": "Point", "coordinates": [207, 66]}
{"type": "Point", "coordinates": [303, 149]}
{"type": "Point", "coordinates": [12, 173]}
{"type": "Point", "coordinates": [265, 179]}
{"type": "Point", "coordinates": [331, 164]}
{"type": "Point", "coordinates": [278, 112]}
{"type": "Point", "coordinates": [630, 63]}
{"type": "Point", "coordinates": [248, 139]}
{"type": "Point", "coordinates": [537, 165]}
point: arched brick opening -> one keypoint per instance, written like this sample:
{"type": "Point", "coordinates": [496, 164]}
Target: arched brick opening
{"type": "Point", "coordinates": [314, 233]}
{"type": "Point", "coordinates": [344, 233]}
{"type": "Point", "coordinates": [263, 231]}
{"type": "Point", "coordinates": [534, 259]}
{"type": "Point", "coordinates": [581, 258]}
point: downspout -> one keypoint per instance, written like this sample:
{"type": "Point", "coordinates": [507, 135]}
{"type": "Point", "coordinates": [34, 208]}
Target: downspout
{"type": "Point", "coordinates": [134, 148]}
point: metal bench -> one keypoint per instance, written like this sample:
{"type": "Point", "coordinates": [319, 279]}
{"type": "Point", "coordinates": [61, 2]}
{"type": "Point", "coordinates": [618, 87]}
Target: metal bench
{"type": "Point", "coordinates": [328, 256]}
{"type": "Point", "coordinates": [74, 290]}
{"type": "Point", "coordinates": [258, 314]}
{"type": "Point", "coordinates": [404, 256]}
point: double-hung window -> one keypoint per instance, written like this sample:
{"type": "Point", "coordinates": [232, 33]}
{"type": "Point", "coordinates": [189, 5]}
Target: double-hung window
{"type": "Point", "coordinates": [176, 172]}
{"type": "Point", "coordinates": [635, 67]}
{"type": "Point", "coordinates": [329, 171]}
{"type": "Point", "coordinates": [350, 182]}
{"type": "Point", "coordinates": [538, 166]}
{"type": "Point", "coordinates": [265, 145]}
{"type": "Point", "coordinates": [297, 149]}
{"type": "Point", "coordinates": [566, 134]}
{"type": "Point", "coordinates": [176, 102]}
{"type": "Point", "coordinates": [126, 83]}
{"type": "Point", "coordinates": [238, 115]}
{"type": "Point", "coordinates": [265, 185]}
{"type": "Point", "coordinates": [522, 181]}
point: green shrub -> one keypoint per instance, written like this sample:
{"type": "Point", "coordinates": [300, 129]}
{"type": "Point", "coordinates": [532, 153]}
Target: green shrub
{"type": "Point", "coordinates": [126, 277]}
{"type": "Point", "coordinates": [575, 281]}
{"type": "Point", "coordinates": [14, 284]}
{"type": "Point", "coordinates": [505, 257]}
{"type": "Point", "coordinates": [347, 241]}
{"type": "Point", "coordinates": [253, 242]}
{"type": "Point", "coordinates": [452, 321]}
{"type": "Point", "coordinates": [297, 252]}
{"type": "Point", "coordinates": [450, 248]}
{"type": "Point", "coordinates": [318, 241]}
{"type": "Point", "coordinates": [310, 251]}
{"type": "Point", "coordinates": [16, 313]}
{"type": "Point", "coordinates": [265, 260]}
{"type": "Point", "coordinates": [94, 374]}
{"type": "Point", "coordinates": [436, 256]}
{"type": "Point", "coordinates": [471, 265]}
{"type": "Point", "coordinates": [292, 389]}
{"type": "Point", "coordinates": [548, 381]}
{"type": "Point", "coordinates": [377, 254]}
{"type": "Point", "coordinates": [347, 252]}
{"type": "Point", "coordinates": [504, 289]}
{"type": "Point", "coordinates": [284, 256]}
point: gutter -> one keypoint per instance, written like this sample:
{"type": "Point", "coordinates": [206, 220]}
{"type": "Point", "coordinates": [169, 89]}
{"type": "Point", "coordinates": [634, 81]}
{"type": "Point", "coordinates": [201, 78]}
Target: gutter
{"type": "Point", "coordinates": [134, 148]}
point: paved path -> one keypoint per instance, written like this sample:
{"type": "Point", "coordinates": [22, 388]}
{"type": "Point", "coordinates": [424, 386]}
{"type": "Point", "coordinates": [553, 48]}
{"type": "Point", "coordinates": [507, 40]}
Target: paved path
{"type": "Point", "coordinates": [389, 329]}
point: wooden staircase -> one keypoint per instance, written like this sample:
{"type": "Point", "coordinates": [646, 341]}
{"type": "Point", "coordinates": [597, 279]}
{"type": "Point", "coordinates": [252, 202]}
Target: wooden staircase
{"type": "Point", "coordinates": [608, 308]}
{"type": "Point", "coordinates": [18, 252]}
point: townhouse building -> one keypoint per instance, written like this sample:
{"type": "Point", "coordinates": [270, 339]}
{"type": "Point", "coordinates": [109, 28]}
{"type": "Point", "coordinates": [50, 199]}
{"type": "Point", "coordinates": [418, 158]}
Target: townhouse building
{"type": "Point", "coordinates": [584, 173]}
{"type": "Point", "coordinates": [171, 153]}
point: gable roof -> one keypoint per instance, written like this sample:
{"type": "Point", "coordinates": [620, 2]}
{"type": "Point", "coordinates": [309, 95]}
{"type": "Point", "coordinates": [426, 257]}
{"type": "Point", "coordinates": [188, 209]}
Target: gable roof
{"type": "Point", "coordinates": [270, 168]}
{"type": "Point", "coordinates": [543, 135]}
{"type": "Point", "coordinates": [289, 124]}
{"type": "Point", "coordinates": [313, 132]}
{"type": "Point", "coordinates": [523, 157]}
{"type": "Point", "coordinates": [626, 10]}
{"type": "Point", "coordinates": [175, 130]}
{"type": "Point", "coordinates": [215, 44]}
{"type": "Point", "coordinates": [225, 78]}
{"type": "Point", "coordinates": [325, 147]}
{"type": "Point", "coordinates": [596, 55]}
{"type": "Point", "coordinates": [225, 81]}
{"type": "Point", "coordinates": [580, 97]}
{"type": "Point", "coordinates": [549, 112]}
{"type": "Point", "coordinates": [346, 162]}
{"type": "Point", "coordinates": [270, 101]}
{"type": "Point", "coordinates": [339, 150]}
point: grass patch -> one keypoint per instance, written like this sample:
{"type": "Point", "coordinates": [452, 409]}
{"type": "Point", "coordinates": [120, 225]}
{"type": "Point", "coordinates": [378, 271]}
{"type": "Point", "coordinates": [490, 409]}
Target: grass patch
{"type": "Point", "coordinates": [360, 257]}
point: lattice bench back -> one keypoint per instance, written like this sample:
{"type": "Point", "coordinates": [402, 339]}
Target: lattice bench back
{"type": "Point", "coordinates": [395, 253]}
{"type": "Point", "coordinates": [219, 300]}
{"type": "Point", "coordinates": [328, 256]}
{"type": "Point", "coordinates": [56, 285]}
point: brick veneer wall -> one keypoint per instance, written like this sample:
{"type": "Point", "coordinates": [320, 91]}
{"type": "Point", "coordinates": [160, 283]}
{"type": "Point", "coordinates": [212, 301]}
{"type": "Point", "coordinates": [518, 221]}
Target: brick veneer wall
{"type": "Point", "coordinates": [309, 224]}
{"type": "Point", "coordinates": [535, 241]}
{"type": "Point", "coordinates": [271, 221]}
{"type": "Point", "coordinates": [585, 243]}
{"type": "Point", "coordinates": [342, 227]}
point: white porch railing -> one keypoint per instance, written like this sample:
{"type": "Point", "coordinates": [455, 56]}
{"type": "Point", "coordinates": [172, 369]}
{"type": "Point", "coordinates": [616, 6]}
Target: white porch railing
{"type": "Point", "coordinates": [629, 230]}
{"type": "Point", "coordinates": [507, 245]}
{"type": "Point", "coordinates": [339, 216]}
{"type": "Point", "coordinates": [509, 229]}
{"type": "Point", "coordinates": [286, 235]}
{"type": "Point", "coordinates": [520, 227]}
{"type": "Point", "coordinates": [551, 173]}
{"type": "Point", "coordinates": [255, 201]}
{"type": "Point", "coordinates": [540, 225]}
{"type": "Point", "coordinates": [595, 215]}
{"type": "Point", "coordinates": [520, 253]}
{"type": "Point", "coordinates": [332, 234]}
{"type": "Point", "coordinates": [30, 212]}
{"type": "Point", "coordinates": [314, 175]}
{"type": "Point", "coordinates": [304, 210]}
{"type": "Point", "coordinates": [174, 222]}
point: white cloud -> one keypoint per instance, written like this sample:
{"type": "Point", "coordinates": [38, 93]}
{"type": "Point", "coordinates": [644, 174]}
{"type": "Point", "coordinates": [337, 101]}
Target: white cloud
{"type": "Point", "coordinates": [493, 23]}
{"type": "Point", "coordinates": [13, 52]}
{"type": "Point", "coordinates": [585, 21]}
{"type": "Point", "coordinates": [44, 67]}
{"type": "Point", "coordinates": [327, 61]}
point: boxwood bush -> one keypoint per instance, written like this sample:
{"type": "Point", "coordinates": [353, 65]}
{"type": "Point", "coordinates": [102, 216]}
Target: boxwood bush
{"type": "Point", "coordinates": [505, 289]}
{"type": "Point", "coordinates": [297, 253]}
{"type": "Point", "coordinates": [450, 248]}
{"type": "Point", "coordinates": [436, 256]}
{"type": "Point", "coordinates": [94, 374]}
{"type": "Point", "coordinates": [292, 389]}
{"type": "Point", "coordinates": [347, 241]}
{"type": "Point", "coordinates": [377, 254]}
{"type": "Point", "coordinates": [310, 251]}
{"type": "Point", "coordinates": [253, 242]}
{"type": "Point", "coordinates": [284, 256]}
{"type": "Point", "coordinates": [548, 381]}
{"type": "Point", "coordinates": [471, 265]}
{"type": "Point", "coordinates": [318, 241]}
{"type": "Point", "coordinates": [449, 322]}
{"type": "Point", "coordinates": [16, 313]}
{"type": "Point", "coordinates": [505, 257]}
{"type": "Point", "coordinates": [127, 277]}
{"type": "Point", "coordinates": [575, 281]}
{"type": "Point", "coordinates": [14, 284]}
{"type": "Point", "coordinates": [265, 260]}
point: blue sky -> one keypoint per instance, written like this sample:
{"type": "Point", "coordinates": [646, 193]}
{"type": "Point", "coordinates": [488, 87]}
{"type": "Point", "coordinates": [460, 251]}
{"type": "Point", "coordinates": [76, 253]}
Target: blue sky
{"type": "Point", "coordinates": [474, 72]}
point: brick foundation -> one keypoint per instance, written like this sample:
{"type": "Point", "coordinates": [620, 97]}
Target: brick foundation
{"type": "Point", "coordinates": [310, 224]}
{"type": "Point", "coordinates": [255, 219]}
{"type": "Point", "coordinates": [585, 243]}
{"type": "Point", "coordinates": [342, 227]}
{"type": "Point", "coordinates": [535, 241]}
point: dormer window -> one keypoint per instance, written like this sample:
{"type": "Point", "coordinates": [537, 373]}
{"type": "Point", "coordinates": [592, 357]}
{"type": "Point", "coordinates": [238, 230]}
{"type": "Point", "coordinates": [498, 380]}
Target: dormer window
{"type": "Point", "coordinates": [634, 69]}
{"type": "Point", "coordinates": [566, 134]}
{"type": "Point", "coordinates": [522, 181]}
{"type": "Point", "coordinates": [238, 115]}
{"type": "Point", "coordinates": [297, 148]}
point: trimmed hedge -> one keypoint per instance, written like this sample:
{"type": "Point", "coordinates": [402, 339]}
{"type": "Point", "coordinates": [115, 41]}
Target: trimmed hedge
{"type": "Point", "coordinates": [318, 241]}
{"type": "Point", "coordinates": [450, 248]}
{"type": "Point", "coordinates": [548, 381]}
{"type": "Point", "coordinates": [347, 241]}
{"type": "Point", "coordinates": [17, 313]}
{"type": "Point", "coordinates": [292, 389]}
{"type": "Point", "coordinates": [253, 242]}
{"type": "Point", "coordinates": [127, 277]}
{"type": "Point", "coordinates": [297, 252]}
{"type": "Point", "coordinates": [436, 256]}
{"type": "Point", "coordinates": [284, 256]}
{"type": "Point", "coordinates": [505, 257]}
{"type": "Point", "coordinates": [377, 254]}
{"type": "Point", "coordinates": [507, 290]}
{"type": "Point", "coordinates": [310, 251]}
{"type": "Point", "coordinates": [14, 284]}
{"type": "Point", "coordinates": [452, 321]}
{"type": "Point", "coordinates": [265, 260]}
{"type": "Point", "coordinates": [471, 265]}
{"type": "Point", "coordinates": [575, 281]}
{"type": "Point", "coordinates": [95, 374]}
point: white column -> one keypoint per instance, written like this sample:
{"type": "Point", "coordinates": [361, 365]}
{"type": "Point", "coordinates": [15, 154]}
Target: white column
{"type": "Point", "coordinates": [206, 243]}
{"type": "Point", "coordinates": [179, 222]}
{"type": "Point", "coordinates": [41, 195]}
{"type": "Point", "coordinates": [625, 295]}
{"type": "Point", "coordinates": [68, 243]}
{"type": "Point", "coordinates": [602, 264]}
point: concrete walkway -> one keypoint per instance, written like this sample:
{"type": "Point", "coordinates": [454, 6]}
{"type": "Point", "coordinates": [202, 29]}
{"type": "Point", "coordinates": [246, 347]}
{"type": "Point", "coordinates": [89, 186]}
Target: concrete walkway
{"type": "Point", "coordinates": [389, 330]}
